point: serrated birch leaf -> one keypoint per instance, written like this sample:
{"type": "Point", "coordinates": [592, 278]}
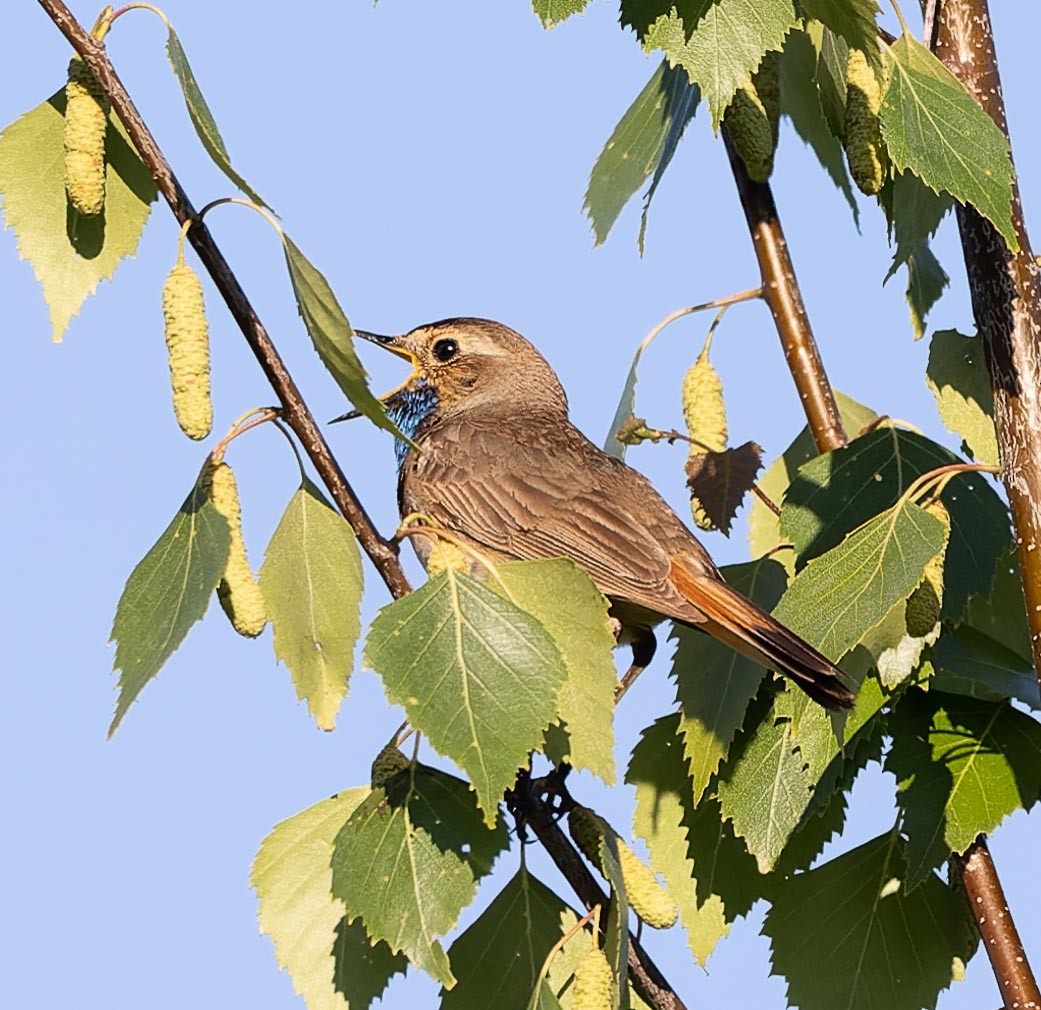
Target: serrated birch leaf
{"type": "Point", "coordinates": [962, 766]}
{"type": "Point", "coordinates": [838, 491]}
{"type": "Point", "coordinates": [70, 254]}
{"type": "Point", "coordinates": [292, 878]}
{"type": "Point", "coordinates": [958, 378]}
{"type": "Point", "coordinates": [719, 481]}
{"type": "Point", "coordinates": [914, 212]}
{"type": "Point", "coordinates": [764, 525]}
{"type": "Point", "coordinates": [574, 612]}
{"type": "Point", "coordinates": [311, 580]}
{"type": "Point", "coordinates": [933, 127]}
{"type": "Point", "coordinates": [851, 20]}
{"type": "Point", "coordinates": [408, 860]}
{"type": "Point", "coordinates": [883, 946]}
{"type": "Point", "coordinates": [167, 593]}
{"type": "Point", "coordinates": [478, 676]}
{"type": "Point", "coordinates": [667, 821]}
{"type": "Point", "coordinates": [201, 117]}
{"type": "Point", "coordinates": [726, 44]}
{"type": "Point", "coordinates": [926, 282]}
{"type": "Point", "coordinates": [838, 597]}
{"type": "Point", "coordinates": [332, 335]}
{"type": "Point", "coordinates": [498, 959]}
{"type": "Point", "coordinates": [764, 789]}
{"type": "Point", "coordinates": [642, 143]}
{"type": "Point", "coordinates": [552, 12]}
{"type": "Point", "coordinates": [715, 684]}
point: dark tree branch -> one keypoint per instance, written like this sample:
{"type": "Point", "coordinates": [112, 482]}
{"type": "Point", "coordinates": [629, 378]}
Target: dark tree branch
{"type": "Point", "coordinates": [1016, 981]}
{"type": "Point", "coordinates": [648, 980]}
{"type": "Point", "coordinates": [1006, 302]}
{"type": "Point", "coordinates": [1007, 305]}
{"type": "Point", "coordinates": [294, 410]}
{"type": "Point", "coordinates": [645, 974]}
{"type": "Point", "coordinates": [781, 293]}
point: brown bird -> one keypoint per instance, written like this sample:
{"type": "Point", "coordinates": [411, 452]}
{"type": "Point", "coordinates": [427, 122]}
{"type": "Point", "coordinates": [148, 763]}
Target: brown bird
{"type": "Point", "coordinates": [502, 467]}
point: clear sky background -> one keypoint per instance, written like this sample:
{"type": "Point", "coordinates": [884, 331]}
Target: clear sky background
{"type": "Point", "coordinates": [431, 158]}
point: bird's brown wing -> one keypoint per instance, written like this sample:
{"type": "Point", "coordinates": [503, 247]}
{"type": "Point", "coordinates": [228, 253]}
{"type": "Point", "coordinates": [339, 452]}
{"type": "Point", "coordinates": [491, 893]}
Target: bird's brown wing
{"type": "Point", "coordinates": [539, 495]}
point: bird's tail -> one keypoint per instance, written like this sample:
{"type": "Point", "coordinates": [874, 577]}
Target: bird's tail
{"type": "Point", "coordinates": [752, 632]}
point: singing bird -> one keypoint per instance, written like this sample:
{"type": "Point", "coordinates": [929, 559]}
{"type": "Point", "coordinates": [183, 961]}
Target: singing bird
{"type": "Point", "coordinates": [498, 463]}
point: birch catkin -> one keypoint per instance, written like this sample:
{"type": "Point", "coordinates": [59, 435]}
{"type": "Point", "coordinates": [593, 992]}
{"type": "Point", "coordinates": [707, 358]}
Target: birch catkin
{"type": "Point", "coordinates": [188, 345]}
{"type": "Point", "coordinates": [86, 119]}
{"type": "Point", "coordinates": [865, 148]}
{"type": "Point", "coordinates": [238, 591]}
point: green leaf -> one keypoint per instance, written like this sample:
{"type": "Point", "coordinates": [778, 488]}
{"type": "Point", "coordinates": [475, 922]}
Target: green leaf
{"type": "Point", "coordinates": [499, 959]}
{"type": "Point", "coordinates": [167, 593]}
{"type": "Point", "coordinates": [726, 45]}
{"type": "Point", "coordinates": [69, 254]}
{"type": "Point", "coordinates": [832, 57]}
{"type": "Point", "coordinates": [408, 860]}
{"type": "Point", "coordinates": [292, 878]}
{"type": "Point", "coordinates": [200, 115]}
{"type": "Point", "coordinates": [957, 376]}
{"type": "Point", "coordinates": [801, 103]}
{"type": "Point", "coordinates": [849, 934]}
{"type": "Point", "coordinates": [478, 676]}
{"type": "Point", "coordinates": [969, 662]}
{"type": "Point", "coordinates": [642, 143]}
{"type": "Point", "coordinates": [764, 527]}
{"type": "Point", "coordinates": [560, 595]}
{"type": "Point", "coordinates": [362, 970]}
{"type": "Point", "coordinates": [851, 20]}
{"type": "Point", "coordinates": [332, 335]}
{"type": "Point", "coordinates": [962, 766]}
{"type": "Point", "coordinates": [841, 490]}
{"type": "Point", "coordinates": [935, 128]}
{"type": "Point", "coordinates": [1002, 614]}
{"type": "Point", "coordinates": [840, 595]}
{"type": "Point", "coordinates": [312, 585]}
{"type": "Point", "coordinates": [552, 12]}
{"type": "Point", "coordinates": [764, 789]}
{"type": "Point", "coordinates": [715, 684]}
{"type": "Point", "coordinates": [914, 212]}
{"type": "Point", "coordinates": [926, 281]}
{"type": "Point", "coordinates": [664, 810]}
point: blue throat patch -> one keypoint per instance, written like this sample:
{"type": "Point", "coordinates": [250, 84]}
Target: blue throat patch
{"type": "Point", "coordinates": [408, 409]}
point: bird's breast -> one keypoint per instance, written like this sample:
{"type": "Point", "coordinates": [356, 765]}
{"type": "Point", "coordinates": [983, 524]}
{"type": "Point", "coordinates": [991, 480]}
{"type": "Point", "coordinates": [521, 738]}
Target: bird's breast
{"type": "Point", "coordinates": [409, 408]}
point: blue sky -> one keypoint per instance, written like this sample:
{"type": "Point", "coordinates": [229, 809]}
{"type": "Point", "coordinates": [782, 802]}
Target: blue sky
{"type": "Point", "coordinates": [431, 159]}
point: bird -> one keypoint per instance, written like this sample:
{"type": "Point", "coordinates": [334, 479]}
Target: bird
{"type": "Point", "coordinates": [493, 458]}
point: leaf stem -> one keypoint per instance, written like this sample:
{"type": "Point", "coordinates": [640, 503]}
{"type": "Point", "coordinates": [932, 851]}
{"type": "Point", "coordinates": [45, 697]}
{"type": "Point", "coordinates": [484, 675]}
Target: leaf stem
{"type": "Point", "coordinates": [259, 415]}
{"type": "Point", "coordinates": [593, 913]}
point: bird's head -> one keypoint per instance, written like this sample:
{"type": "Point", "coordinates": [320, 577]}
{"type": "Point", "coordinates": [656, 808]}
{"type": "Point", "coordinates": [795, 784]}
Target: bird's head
{"type": "Point", "coordinates": [473, 365]}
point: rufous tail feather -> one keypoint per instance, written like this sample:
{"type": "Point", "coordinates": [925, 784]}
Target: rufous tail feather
{"type": "Point", "coordinates": [754, 633]}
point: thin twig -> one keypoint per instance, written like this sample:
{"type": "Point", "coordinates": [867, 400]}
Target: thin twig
{"type": "Point", "coordinates": [294, 410]}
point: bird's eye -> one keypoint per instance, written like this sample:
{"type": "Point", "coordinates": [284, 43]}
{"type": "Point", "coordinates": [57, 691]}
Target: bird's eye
{"type": "Point", "coordinates": [445, 350]}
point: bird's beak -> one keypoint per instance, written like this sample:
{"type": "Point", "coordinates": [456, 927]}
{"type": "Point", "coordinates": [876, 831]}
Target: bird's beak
{"type": "Point", "coordinates": [394, 345]}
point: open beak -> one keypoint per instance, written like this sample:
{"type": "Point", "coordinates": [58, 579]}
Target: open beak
{"type": "Point", "coordinates": [388, 344]}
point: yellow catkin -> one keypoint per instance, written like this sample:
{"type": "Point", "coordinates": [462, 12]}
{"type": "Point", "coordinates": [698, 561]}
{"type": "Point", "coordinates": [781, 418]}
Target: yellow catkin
{"type": "Point", "coordinates": [706, 418]}
{"type": "Point", "coordinates": [924, 604]}
{"type": "Point", "coordinates": [86, 119]}
{"type": "Point", "coordinates": [188, 344]}
{"type": "Point", "coordinates": [865, 149]}
{"type": "Point", "coordinates": [752, 119]}
{"type": "Point", "coordinates": [387, 764]}
{"type": "Point", "coordinates": [594, 982]}
{"type": "Point", "coordinates": [647, 898]}
{"type": "Point", "coordinates": [238, 591]}
{"type": "Point", "coordinates": [444, 555]}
